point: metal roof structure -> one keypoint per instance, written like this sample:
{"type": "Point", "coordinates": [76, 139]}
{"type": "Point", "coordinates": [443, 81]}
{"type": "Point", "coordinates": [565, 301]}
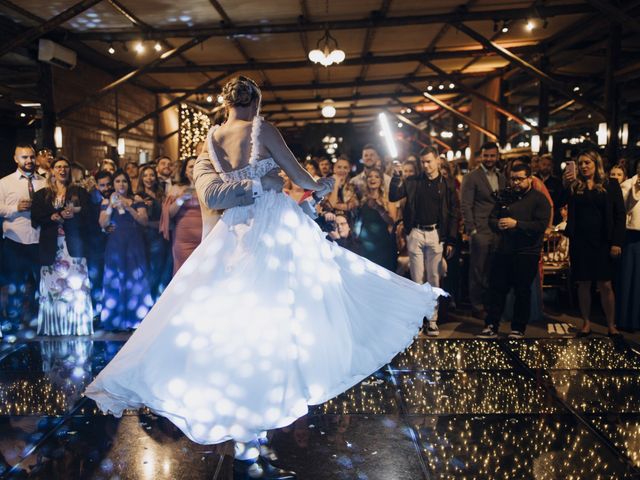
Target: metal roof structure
{"type": "Point", "coordinates": [581, 56]}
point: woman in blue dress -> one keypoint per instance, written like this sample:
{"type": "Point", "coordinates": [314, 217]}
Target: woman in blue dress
{"type": "Point", "coordinates": [127, 297]}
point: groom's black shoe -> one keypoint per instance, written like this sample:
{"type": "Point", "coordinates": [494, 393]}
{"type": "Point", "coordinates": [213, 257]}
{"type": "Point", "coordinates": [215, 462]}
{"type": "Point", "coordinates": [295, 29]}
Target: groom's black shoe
{"type": "Point", "coordinates": [261, 469]}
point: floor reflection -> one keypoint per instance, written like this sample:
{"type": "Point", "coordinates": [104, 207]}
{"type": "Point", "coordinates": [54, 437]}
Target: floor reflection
{"type": "Point", "coordinates": [48, 377]}
{"type": "Point", "coordinates": [452, 355]}
{"type": "Point", "coordinates": [623, 431]}
{"type": "Point", "coordinates": [478, 392]}
{"type": "Point", "coordinates": [558, 354]}
{"type": "Point", "coordinates": [443, 409]}
{"type": "Point", "coordinates": [144, 447]}
{"type": "Point", "coordinates": [347, 447]}
{"type": "Point", "coordinates": [598, 391]}
{"type": "Point", "coordinates": [540, 447]}
{"type": "Point", "coordinates": [375, 395]}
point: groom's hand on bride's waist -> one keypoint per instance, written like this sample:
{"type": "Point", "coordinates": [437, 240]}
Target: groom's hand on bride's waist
{"type": "Point", "coordinates": [272, 181]}
{"type": "Point", "coordinates": [327, 186]}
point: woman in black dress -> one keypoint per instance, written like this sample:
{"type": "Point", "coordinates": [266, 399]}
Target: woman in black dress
{"type": "Point", "coordinates": [595, 227]}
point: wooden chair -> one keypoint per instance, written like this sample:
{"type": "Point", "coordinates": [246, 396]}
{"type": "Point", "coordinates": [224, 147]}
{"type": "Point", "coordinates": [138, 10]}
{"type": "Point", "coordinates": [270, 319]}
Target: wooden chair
{"type": "Point", "coordinates": [556, 268]}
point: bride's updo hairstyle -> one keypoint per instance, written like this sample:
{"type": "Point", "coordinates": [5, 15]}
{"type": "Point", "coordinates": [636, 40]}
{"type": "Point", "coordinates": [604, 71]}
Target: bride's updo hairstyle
{"type": "Point", "coordinates": [240, 92]}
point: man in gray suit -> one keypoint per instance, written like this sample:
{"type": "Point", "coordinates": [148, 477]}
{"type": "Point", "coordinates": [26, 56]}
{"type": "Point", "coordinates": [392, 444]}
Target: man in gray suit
{"type": "Point", "coordinates": [216, 195]}
{"type": "Point", "coordinates": [476, 202]}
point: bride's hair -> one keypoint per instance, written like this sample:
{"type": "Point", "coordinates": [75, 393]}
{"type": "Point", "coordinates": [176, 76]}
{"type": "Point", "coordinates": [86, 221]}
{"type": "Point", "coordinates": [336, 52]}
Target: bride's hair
{"type": "Point", "coordinates": [240, 92]}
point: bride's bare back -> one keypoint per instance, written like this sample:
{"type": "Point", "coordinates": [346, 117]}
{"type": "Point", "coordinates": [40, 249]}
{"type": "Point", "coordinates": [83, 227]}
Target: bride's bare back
{"type": "Point", "coordinates": [233, 143]}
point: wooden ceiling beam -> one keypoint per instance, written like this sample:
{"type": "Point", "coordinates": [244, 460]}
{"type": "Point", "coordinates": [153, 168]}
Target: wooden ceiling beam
{"type": "Point", "coordinates": [524, 65]}
{"type": "Point", "coordinates": [373, 60]}
{"type": "Point", "coordinates": [36, 32]}
{"type": "Point", "coordinates": [350, 24]}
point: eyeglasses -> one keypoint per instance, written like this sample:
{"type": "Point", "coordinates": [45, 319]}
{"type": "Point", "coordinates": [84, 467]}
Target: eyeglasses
{"type": "Point", "coordinates": [518, 179]}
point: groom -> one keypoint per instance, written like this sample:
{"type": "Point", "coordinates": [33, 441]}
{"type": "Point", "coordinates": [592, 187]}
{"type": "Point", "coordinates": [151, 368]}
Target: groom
{"type": "Point", "coordinates": [215, 195]}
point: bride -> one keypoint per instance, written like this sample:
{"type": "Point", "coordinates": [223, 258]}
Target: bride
{"type": "Point", "coordinates": [266, 317]}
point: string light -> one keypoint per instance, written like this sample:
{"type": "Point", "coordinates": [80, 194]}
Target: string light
{"type": "Point", "coordinates": [193, 128]}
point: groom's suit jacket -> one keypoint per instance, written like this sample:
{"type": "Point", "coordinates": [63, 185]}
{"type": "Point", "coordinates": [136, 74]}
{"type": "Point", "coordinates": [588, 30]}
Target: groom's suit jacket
{"type": "Point", "coordinates": [215, 195]}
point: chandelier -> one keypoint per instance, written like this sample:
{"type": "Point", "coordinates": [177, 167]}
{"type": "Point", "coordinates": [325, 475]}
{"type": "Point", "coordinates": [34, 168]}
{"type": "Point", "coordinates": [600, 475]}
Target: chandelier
{"type": "Point", "coordinates": [328, 110]}
{"type": "Point", "coordinates": [329, 53]}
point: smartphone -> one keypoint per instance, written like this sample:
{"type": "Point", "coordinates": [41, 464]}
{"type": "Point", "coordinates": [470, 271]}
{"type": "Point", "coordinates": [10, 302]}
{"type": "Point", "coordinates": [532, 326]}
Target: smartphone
{"type": "Point", "coordinates": [571, 167]}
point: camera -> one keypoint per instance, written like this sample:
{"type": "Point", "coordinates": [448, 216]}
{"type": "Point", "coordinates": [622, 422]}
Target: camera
{"type": "Point", "coordinates": [503, 199]}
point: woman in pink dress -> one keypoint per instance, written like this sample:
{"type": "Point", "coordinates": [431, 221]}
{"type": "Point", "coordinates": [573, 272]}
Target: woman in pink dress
{"type": "Point", "coordinates": [182, 210]}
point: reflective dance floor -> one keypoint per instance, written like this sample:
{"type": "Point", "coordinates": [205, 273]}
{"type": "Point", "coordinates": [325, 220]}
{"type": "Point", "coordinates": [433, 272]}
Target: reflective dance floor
{"type": "Point", "coordinates": [528, 409]}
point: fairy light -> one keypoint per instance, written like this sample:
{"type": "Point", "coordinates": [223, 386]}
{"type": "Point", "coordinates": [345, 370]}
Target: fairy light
{"type": "Point", "coordinates": [193, 128]}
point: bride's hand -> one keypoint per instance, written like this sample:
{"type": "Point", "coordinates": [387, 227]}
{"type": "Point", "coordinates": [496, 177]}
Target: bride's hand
{"type": "Point", "coordinates": [272, 180]}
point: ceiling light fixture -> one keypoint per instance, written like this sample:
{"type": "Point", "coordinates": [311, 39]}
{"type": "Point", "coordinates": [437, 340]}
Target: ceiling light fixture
{"type": "Point", "coordinates": [157, 47]}
{"type": "Point", "coordinates": [530, 25]}
{"type": "Point", "coordinates": [327, 52]}
{"type": "Point", "coordinates": [328, 110]}
{"type": "Point", "coordinates": [111, 50]}
{"type": "Point", "coordinates": [139, 48]}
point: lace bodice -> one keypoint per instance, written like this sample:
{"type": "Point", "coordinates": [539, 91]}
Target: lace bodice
{"type": "Point", "coordinates": [256, 168]}
{"type": "Point", "coordinates": [252, 172]}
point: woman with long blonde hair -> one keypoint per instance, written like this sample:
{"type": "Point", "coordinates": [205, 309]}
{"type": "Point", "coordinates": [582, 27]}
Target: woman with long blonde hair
{"type": "Point", "coordinates": [375, 223]}
{"type": "Point", "coordinates": [595, 227]}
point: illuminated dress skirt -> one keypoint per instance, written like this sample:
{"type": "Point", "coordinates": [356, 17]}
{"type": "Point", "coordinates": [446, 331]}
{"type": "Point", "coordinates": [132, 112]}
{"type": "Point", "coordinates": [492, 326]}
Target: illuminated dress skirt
{"type": "Point", "coordinates": [265, 318]}
{"type": "Point", "coordinates": [65, 295]}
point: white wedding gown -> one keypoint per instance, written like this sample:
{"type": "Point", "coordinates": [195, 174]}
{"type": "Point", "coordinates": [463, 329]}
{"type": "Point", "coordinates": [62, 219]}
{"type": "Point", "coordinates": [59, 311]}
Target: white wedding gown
{"type": "Point", "coordinates": [265, 318]}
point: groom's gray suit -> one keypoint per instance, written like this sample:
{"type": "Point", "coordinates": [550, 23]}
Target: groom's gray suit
{"type": "Point", "coordinates": [216, 195]}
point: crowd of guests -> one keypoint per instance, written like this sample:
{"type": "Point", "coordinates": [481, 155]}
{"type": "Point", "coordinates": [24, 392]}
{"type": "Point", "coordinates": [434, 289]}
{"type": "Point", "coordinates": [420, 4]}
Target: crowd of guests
{"type": "Point", "coordinates": [92, 251]}
{"type": "Point", "coordinates": [86, 251]}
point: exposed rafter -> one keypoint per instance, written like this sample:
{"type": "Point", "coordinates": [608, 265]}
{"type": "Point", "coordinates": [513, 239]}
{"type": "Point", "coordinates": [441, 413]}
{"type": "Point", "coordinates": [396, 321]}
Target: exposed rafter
{"type": "Point", "coordinates": [168, 105]}
{"type": "Point", "coordinates": [270, 29]}
{"type": "Point", "coordinates": [373, 60]}
{"type": "Point", "coordinates": [471, 122]}
{"type": "Point", "coordinates": [36, 32]}
{"type": "Point", "coordinates": [543, 76]}
{"type": "Point", "coordinates": [342, 84]}
{"type": "Point", "coordinates": [131, 75]}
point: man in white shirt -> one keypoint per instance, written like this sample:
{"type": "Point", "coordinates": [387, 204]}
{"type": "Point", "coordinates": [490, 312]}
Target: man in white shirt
{"type": "Point", "coordinates": [164, 170]}
{"type": "Point", "coordinates": [21, 264]}
{"type": "Point", "coordinates": [371, 160]}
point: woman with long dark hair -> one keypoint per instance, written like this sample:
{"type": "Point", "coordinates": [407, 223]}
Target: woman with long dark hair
{"type": "Point", "coordinates": [127, 298]}
{"type": "Point", "coordinates": [182, 209]}
{"type": "Point", "coordinates": [60, 210]}
{"type": "Point", "coordinates": [157, 248]}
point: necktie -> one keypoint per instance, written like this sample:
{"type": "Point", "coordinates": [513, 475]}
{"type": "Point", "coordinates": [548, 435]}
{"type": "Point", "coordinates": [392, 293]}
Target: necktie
{"type": "Point", "coordinates": [30, 184]}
